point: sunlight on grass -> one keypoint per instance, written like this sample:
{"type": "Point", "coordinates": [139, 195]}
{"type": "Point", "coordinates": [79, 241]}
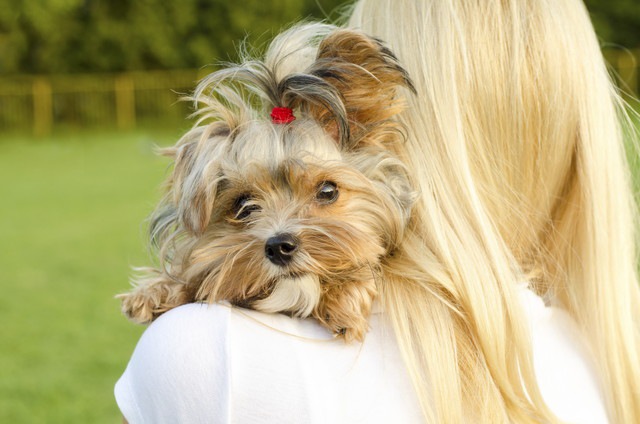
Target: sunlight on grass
{"type": "Point", "coordinates": [71, 225]}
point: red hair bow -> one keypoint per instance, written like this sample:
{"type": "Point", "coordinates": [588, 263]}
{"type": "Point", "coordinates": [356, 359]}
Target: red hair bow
{"type": "Point", "coordinates": [282, 115]}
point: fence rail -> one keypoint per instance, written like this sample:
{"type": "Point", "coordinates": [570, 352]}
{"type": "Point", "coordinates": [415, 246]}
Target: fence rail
{"type": "Point", "coordinates": [42, 104]}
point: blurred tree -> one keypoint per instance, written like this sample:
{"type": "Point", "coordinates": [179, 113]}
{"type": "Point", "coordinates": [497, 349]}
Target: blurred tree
{"type": "Point", "coordinates": [56, 36]}
{"type": "Point", "coordinates": [52, 36]}
{"type": "Point", "coordinates": [13, 41]}
{"type": "Point", "coordinates": [616, 21]}
{"type": "Point", "coordinates": [330, 10]}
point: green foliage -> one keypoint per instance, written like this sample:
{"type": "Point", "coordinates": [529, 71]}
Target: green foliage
{"type": "Point", "coordinates": [616, 21]}
{"type": "Point", "coordinates": [59, 36]}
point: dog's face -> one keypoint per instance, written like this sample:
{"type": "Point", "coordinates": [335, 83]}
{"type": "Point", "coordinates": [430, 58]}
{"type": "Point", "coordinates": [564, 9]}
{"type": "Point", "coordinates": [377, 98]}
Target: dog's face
{"type": "Point", "coordinates": [283, 219]}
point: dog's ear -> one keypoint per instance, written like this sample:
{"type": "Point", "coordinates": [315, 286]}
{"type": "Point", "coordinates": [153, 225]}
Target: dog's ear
{"type": "Point", "coordinates": [197, 171]}
{"type": "Point", "coordinates": [367, 75]}
{"type": "Point", "coordinates": [197, 174]}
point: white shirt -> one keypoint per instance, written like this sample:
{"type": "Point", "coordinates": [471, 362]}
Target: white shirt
{"type": "Point", "coordinates": [216, 364]}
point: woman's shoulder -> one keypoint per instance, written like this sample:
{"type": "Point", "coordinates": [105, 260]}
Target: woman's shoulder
{"type": "Point", "coordinates": [174, 363]}
{"type": "Point", "coordinates": [196, 326]}
{"type": "Point", "coordinates": [218, 361]}
{"type": "Point", "coordinates": [194, 361]}
{"type": "Point", "coordinates": [216, 319]}
{"type": "Point", "coordinates": [201, 320]}
{"type": "Point", "coordinates": [204, 336]}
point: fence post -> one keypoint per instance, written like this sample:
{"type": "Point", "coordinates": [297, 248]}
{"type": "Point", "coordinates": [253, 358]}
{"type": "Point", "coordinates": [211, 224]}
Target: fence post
{"type": "Point", "coordinates": [42, 106]}
{"type": "Point", "coordinates": [125, 102]}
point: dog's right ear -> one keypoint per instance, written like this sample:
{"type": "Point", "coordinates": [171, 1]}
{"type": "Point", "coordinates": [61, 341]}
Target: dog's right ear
{"type": "Point", "coordinates": [367, 75]}
{"type": "Point", "coordinates": [197, 174]}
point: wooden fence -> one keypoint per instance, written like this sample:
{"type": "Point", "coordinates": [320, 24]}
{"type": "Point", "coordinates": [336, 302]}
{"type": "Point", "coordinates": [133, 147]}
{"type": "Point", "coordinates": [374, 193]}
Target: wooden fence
{"type": "Point", "coordinates": [43, 104]}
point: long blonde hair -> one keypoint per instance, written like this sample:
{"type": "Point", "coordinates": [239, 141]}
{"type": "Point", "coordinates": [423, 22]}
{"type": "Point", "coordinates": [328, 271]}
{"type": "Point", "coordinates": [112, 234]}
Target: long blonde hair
{"type": "Point", "coordinates": [516, 146]}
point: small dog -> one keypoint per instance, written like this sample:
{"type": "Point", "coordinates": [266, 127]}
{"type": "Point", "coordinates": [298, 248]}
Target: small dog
{"type": "Point", "coordinates": [299, 213]}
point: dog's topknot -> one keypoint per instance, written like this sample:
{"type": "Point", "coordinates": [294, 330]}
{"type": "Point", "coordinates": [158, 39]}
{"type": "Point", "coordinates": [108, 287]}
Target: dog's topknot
{"type": "Point", "coordinates": [341, 78]}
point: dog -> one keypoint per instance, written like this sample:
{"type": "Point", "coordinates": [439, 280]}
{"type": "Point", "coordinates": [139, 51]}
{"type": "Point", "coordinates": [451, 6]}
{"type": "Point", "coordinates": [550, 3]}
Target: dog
{"type": "Point", "coordinates": [286, 196]}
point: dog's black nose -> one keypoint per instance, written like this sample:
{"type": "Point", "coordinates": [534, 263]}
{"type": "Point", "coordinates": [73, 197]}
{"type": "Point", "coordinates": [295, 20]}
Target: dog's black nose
{"type": "Point", "coordinates": [281, 248]}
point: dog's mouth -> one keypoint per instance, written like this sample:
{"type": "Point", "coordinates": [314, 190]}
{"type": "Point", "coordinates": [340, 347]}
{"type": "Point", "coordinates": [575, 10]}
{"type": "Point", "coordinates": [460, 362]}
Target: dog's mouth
{"type": "Point", "coordinates": [295, 294]}
{"type": "Point", "coordinates": [268, 288]}
{"type": "Point", "coordinates": [298, 293]}
{"type": "Point", "coordinates": [291, 275]}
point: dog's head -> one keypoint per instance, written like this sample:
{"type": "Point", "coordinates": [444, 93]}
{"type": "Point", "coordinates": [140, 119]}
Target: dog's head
{"type": "Point", "coordinates": [286, 215]}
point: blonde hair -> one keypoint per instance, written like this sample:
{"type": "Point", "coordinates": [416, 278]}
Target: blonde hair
{"type": "Point", "coordinates": [515, 143]}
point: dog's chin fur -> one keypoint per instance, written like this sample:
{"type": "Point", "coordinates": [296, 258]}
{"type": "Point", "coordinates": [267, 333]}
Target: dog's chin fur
{"type": "Point", "coordinates": [298, 295]}
{"type": "Point", "coordinates": [240, 180]}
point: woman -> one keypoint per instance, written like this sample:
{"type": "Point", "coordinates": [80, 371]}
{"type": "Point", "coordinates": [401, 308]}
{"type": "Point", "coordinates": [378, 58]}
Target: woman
{"type": "Point", "coordinates": [514, 143]}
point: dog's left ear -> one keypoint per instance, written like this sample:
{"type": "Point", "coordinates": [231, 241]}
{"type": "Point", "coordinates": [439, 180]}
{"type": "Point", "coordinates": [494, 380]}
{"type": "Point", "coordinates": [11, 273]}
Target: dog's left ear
{"type": "Point", "coordinates": [196, 175]}
{"type": "Point", "coordinates": [367, 75]}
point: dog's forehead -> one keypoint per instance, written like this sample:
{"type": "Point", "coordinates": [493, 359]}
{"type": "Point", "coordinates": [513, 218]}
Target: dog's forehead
{"type": "Point", "coordinates": [268, 145]}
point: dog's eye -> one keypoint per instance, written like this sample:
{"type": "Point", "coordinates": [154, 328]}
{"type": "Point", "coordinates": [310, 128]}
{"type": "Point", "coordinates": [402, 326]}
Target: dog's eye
{"type": "Point", "coordinates": [244, 206]}
{"type": "Point", "coordinates": [327, 192]}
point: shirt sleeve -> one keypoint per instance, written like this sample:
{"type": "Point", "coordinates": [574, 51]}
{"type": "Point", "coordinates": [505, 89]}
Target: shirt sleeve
{"type": "Point", "coordinates": [179, 371]}
{"type": "Point", "coordinates": [563, 364]}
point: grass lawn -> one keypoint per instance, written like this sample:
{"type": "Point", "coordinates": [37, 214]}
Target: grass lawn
{"type": "Point", "coordinates": [71, 214]}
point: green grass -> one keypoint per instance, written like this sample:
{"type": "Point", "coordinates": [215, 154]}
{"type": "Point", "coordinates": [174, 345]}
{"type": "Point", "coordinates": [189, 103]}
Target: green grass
{"type": "Point", "coordinates": [71, 214]}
